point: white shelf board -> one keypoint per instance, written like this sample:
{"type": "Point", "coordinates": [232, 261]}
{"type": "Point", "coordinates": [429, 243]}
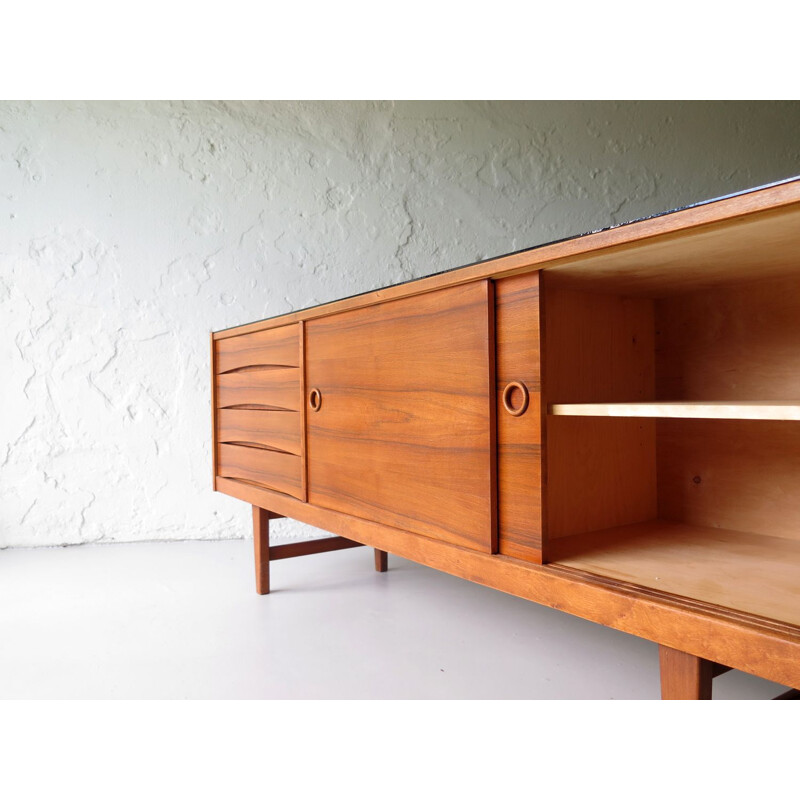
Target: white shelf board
{"type": "Point", "coordinates": [695, 410]}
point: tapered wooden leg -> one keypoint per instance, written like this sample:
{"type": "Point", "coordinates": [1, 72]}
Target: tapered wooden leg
{"type": "Point", "coordinates": [684, 677]}
{"type": "Point", "coordinates": [381, 560]}
{"type": "Point", "coordinates": [261, 547]}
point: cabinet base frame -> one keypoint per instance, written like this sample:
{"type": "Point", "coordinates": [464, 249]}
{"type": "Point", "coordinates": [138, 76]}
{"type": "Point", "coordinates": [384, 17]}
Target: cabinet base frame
{"type": "Point", "coordinates": [688, 677]}
{"type": "Point", "coordinates": [264, 553]}
{"type": "Point", "coordinates": [757, 646]}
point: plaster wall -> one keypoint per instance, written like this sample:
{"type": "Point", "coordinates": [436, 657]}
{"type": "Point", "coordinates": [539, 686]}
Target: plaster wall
{"type": "Point", "coordinates": [129, 230]}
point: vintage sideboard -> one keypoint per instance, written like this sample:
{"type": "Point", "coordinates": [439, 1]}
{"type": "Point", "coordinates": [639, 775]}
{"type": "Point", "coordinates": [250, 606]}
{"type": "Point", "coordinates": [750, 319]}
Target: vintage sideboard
{"type": "Point", "coordinates": [608, 425]}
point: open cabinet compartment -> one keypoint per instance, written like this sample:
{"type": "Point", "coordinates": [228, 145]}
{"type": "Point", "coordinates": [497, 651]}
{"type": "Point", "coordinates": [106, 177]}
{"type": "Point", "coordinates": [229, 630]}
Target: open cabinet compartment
{"type": "Point", "coordinates": [698, 506]}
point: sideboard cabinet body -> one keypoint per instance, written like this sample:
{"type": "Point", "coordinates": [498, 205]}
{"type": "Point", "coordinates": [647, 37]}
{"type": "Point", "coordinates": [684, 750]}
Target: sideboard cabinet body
{"type": "Point", "coordinates": [609, 425]}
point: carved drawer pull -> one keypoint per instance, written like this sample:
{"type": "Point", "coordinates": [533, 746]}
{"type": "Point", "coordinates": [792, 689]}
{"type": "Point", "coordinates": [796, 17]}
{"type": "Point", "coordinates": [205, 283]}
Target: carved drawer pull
{"type": "Point", "coordinates": [315, 399]}
{"type": "Point", "coordinates": [508, 392]}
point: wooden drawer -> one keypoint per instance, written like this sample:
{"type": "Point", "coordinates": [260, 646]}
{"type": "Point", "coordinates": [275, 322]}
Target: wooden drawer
{"type": "Point", "coordinates": [258, 409]}
{"type": "Point", "coordinates": [280, 471]}
{"type": "Point", "coordinates": [265, 387]}
{"type": "Point", "coordinates": [279, 430]}
{"type": "Point", "coordinates": [276, 346]}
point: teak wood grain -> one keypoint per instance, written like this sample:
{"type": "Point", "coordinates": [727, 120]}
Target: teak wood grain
{"type": "Point", "coordinates": [601, 472]}
{"type": "Point", "coordinates": [411, 449]}
{"type": "Point", "coordinates": [277, 346]}
{"type": "Point", "coordinates": [270, 468]}
{"type": "Point", "coordinates": [519, 438]}
{"type": "Point", "coordinates": [683, 676]}
{"type": "Point", "coordinates": [404, 433]}
{"type": "Point", "coordinates": [381, 561]}
{"type": "Point", "coordinates": [311, 547]}
{"type": "Point", "coordinates": [280, 430]}
{"type": "Point", "coordinates": [261, 519]}
{"type": "Point", "coordinates": [274, 388]}
{"type": "Point", "coordinates": [303, 412]}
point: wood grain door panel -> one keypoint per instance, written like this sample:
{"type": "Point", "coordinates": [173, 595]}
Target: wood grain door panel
{"type": "Point", "coordinates": [519, 438]}
{"type": "Point", "coordinates": [405, 429]}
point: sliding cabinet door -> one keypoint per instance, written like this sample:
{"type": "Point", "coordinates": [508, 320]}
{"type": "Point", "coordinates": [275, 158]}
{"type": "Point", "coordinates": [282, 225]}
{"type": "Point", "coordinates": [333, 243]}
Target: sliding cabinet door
{"type": "Point", "coordinates": [400, 414]}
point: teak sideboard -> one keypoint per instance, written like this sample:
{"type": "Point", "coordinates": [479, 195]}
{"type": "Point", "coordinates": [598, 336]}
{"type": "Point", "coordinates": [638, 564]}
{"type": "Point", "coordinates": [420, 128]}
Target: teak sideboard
{"type": "Point", "coordinates": [608, 425]}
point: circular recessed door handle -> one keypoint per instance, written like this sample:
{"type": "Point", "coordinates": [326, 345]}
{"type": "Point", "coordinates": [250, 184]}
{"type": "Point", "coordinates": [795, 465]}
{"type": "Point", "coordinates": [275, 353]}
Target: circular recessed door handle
{"type": "Point", "coordinates": [315, 399]}
{"type": "Point", "coordinates": [515, 398]}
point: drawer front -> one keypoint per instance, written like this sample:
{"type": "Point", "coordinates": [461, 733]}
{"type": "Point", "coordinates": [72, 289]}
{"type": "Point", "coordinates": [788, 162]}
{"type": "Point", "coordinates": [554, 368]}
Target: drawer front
{"type": "Point", "coordinates": [267, 387]}
{"type": "Point", "coordinates": [279, 471]}
{"type": "Point", "coordinates": [277, 346]}
{"type": "Point", "coordinates": [519, 432]}
{"type": "Point", "coordinates": [278, 430]}
{"type": "Point", "coordinates": [258, 399]}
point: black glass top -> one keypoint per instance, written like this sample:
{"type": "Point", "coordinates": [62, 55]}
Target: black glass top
{"type": "Point", "coordinates": [528, 249]}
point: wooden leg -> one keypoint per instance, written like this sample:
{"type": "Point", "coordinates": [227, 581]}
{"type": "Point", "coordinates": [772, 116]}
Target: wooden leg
{"type": "Point", "coordinates": [684, 677]}
{"type": "Point", "coordinates": [261, 547]}
{"type": "Point", "coordinates": [263, 555]}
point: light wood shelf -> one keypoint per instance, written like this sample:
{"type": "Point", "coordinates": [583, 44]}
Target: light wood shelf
{"type": "Point", "coordinates": [748, 572]}
{"type": "Point", "coordinates": [770, 410]}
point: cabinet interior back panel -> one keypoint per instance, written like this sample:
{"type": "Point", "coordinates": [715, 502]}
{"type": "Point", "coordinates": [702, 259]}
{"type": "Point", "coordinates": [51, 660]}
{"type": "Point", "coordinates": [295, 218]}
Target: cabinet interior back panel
{"type": "Point", "coordinates": [737, 474]}
{"type": "Point", "coordinates": [732, 343]}
{"type": "Point", "coordinates": [405, 429]}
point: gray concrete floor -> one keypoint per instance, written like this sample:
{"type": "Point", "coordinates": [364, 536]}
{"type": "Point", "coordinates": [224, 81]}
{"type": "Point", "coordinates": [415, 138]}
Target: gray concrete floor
{"type": "Point", "coordinates": [182, 620]}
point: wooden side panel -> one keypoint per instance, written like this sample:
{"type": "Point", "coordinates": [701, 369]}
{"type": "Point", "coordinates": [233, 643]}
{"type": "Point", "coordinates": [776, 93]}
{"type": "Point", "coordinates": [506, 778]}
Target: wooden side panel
{"type": "Point", "coordinates": [738, 474]}
{"type": "Point", "coordinates": [214, 438]}
{"type": "Point", "coordinates": [279, 471]}
{"type": "Point", "coordinates": [275, 388]}
{"type": "Point", "coordinates": [404, 431]}
{"type": "Point", "coordinates": [519, 438]}
{"type": "Point", "coordinates": [279, 430]}
{"type": "Point", "coordinates": [734, 343]}
{"type": "Point", "coordinates": [601, 472]}
{"type": "Point", "coordinates": [599, 348]}
{"type": "Point", "coordinates": [274, 346]}
{"type": "Point", "coordinates": [303, 409]}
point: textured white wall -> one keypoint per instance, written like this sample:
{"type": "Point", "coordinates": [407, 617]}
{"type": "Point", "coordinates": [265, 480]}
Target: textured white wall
{"type": "Point", "coordinates": [129, 230]}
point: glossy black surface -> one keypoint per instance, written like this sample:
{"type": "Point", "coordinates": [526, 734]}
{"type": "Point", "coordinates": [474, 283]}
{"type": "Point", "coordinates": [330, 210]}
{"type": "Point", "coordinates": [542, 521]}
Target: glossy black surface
{"type": "Point", "coordinates": [528, 249]}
